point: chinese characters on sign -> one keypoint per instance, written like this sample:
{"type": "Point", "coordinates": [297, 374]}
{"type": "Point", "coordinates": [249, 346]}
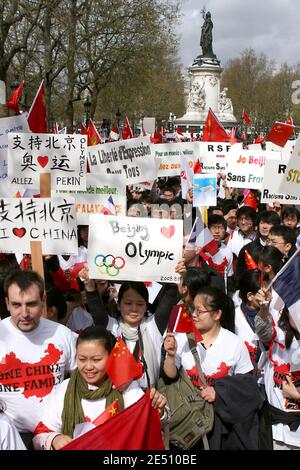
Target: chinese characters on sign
{"type": "Point", "coordinates": [61, 155]}
{"type": "Point", "coordinates": [51, 221]}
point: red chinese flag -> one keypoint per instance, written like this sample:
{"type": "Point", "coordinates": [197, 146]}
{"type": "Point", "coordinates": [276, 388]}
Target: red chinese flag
{"type": "Point", "coordinates": [127, 132]}
{"type": "Point", "coordinates": [121, 366]}
{"type": "Point", "coordinates": [250, 200]}
{"type": "Point", "coordinates": [107, 414]}
{"type": "Point", "coordinates": [280, 133]}
{"type": "Point", "coordinates": [83, 129]}
{"type": "Point", "coordinates": [259, 140]}
{"type": "Point", "coordinates": [181, 322]}
{"type": "Point", "coordinates": [197, 167]}
{"type": "Point", "coordinates": [37, 118]}
{"type": "Point", "coordinates": [213, 131]}
{"type": "Point", "coordinates": [92, 133]}
{"type": "Point", "coordinates": [231, 137]}
{"type": "Point", "coordinates": [13, 102]}
{"type": "Point", "coordinates": [157, 138]}
{"type": "Point", "coordinates": [290, 121]}
{"type": "Point", "coordinates": [135, 428]}
{"type": "Point", "coordinates": [246, 117]}
{"type": "Point", "coordinates": [250, 263]}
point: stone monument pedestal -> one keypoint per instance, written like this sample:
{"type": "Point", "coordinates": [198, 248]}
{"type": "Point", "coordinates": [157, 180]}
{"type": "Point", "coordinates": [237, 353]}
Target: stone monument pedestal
{"type": "Point", "coordinates": [204, 93]}
{"type": "Point", "coordinates": [3, 108]}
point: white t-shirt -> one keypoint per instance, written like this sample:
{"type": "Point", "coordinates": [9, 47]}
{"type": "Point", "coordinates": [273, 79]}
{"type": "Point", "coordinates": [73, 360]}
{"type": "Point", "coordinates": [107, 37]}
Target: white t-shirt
{"type": "Point", "coordinates": [238, 240]}
{"type": "Point", "coordinates": [10, 439]}
{"type": "Point", "coordinates": [284, 361]}
{"type": "Point", "coordinates": [79, 319]}
{"type": "Point", "coordinates": [51, 423]}
{"type": "Point", "coordinates": [227, 356]}
{"type": "Point", "coordinates": [31, 365]}
{"type": "Point", "coordinates": [224, 254]}
{"type": "Point", "coordinates": [244, 331]}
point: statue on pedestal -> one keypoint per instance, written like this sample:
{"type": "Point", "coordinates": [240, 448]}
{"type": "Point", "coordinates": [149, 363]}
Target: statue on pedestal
{"type": "Point", "coordinates": [206, 41]}
{"type": "Point", "coordinates": [225, 104]}
{"type": "Point", "coordinates": [196, 97]}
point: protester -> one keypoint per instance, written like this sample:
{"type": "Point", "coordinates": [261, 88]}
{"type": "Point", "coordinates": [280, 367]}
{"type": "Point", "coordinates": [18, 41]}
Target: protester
{"type": "Point", "coordinates": [87, 394]}
{"type": "Point", "coordinates": [10, 439]}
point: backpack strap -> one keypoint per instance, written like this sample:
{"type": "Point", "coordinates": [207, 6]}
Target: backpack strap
{"type": "Point", "coordinates": [193, 348]}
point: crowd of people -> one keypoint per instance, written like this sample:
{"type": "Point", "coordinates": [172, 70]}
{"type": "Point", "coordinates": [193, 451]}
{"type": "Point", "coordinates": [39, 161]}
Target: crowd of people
{"type": "Point", "coordinates": [52, 370]}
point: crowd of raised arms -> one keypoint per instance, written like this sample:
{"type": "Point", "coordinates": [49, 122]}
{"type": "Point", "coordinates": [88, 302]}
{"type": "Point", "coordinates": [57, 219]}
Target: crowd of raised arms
{"type": "Point", "coordinates": [53, 372]}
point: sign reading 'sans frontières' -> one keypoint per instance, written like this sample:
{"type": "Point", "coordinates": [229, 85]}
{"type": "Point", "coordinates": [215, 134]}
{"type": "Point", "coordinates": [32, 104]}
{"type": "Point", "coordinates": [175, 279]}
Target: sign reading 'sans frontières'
{"type": "Point", "coordinates": [131, 160]}
{"type": "Point", "coordinates": [61, 155]}
{"type": "Point", "coordinates": [134, 248]}
{"type": "Point", "coordinates": [51, 221]}
{"type": "Point", "coordinates": [99, 188]}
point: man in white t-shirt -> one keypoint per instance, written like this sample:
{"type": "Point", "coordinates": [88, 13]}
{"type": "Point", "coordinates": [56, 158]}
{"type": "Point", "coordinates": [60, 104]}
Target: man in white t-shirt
{"type": "Point", "coordinates": [35, 353]}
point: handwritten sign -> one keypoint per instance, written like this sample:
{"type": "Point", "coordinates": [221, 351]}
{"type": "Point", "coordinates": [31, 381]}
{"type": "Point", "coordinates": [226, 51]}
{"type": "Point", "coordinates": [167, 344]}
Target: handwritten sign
{"type": "Point", "coordinates": [51, 221]}
{"type": "Point", "coordinates": [246, 168]}
{"type": "Point", "coordinates": [169, 156]}
{"type": "Point", "coordinates": [134, 248]}
{"type": "Point", "coordinates": [130, 160]}
{"type": "Point", "coordinates": [62, 155]}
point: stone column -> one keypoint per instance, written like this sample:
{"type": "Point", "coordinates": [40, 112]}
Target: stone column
{"type": "Point", "coordinates": [3, 108]}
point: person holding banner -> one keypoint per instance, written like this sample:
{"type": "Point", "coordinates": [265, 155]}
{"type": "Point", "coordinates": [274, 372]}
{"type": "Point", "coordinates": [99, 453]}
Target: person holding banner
{"type": "Point", "coordinates": [35, 353]}
{"type": "Point", "coordinates": [281, 367]}
{"type": "Point", "coordinates": [88, 393]}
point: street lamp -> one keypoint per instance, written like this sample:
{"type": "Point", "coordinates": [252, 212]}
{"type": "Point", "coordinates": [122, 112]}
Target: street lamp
{"type": "Point", "coordinates": [118, 116]}
{"type": "Point", "coordinates": [87, 107]}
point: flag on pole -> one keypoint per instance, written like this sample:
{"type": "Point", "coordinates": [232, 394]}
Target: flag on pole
{"type": "Point", "coordinates": [250, 200]}
{"type": "Point", "coordinates": [290, 121]}
{"type": "Point", "coordinates": [213, 130]}
{"type": "Point", "coordinates": [83, 129]}
{"type": "Point", "coordinates": [280, 133]}
{"type": "Point", "coordinates": [201, 237]}
{"type": "Point", "coordinates": [231, 136]}
{"type": "Point", "coordinates": [250, 263]}
{"type": "Point", "coordinates": [181, 322]}
{"type": "Point", "coordinates": [197, 168]}
{"type": "Point", "coordinates": [13, 102]}
{"type": "Point", "coordinates": [287, 285]}
{"type": "Point", "coordinates": [135, 428]}
{"type": "Point", "coordinates": [246, 117]}
{"type": "Point", "coordinates": [37, 118]}
{"type": "Point", "coordinates": [127, 132]}
{"type": "Point", "coordinates": [157, 138]}
{"type": "Point", "coordinates": [93, 134]}
{"type": "Point", "coordinates": [109, 207]}
{"type": "Point", "coordinates": [114, 133]}
{"type": "Point", "coordinates": [121, 367]}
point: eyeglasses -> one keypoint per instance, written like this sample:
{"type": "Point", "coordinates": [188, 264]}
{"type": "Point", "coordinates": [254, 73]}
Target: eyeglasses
{"type": "Point", "coordinates": [198, 313]}
{"type": "Point", "coordinates": [270, 241]}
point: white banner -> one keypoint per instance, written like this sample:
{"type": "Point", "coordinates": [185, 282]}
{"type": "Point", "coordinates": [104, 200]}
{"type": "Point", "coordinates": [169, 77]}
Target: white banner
{"type": "Point", "coordinates": [169, 156]}
{"type": "Point", "coordinates": [285, 151]}
{"type": "Point", "coordinates": [62, 155]}
{"type": "Point", "coordinates": [133, 248]}
{"type": "Point", "coordinates": [51, 221]}
{"type": "Point", "coordinates": [290, 183]}
{"type": "Point", "coordinates": [131, 160]}
{"type": "Point", "coordinates": [213, 156]}
{"type": "Point", "coordinates": [245, 168]}
{"type": "Point", "coordinates": [273, 174]}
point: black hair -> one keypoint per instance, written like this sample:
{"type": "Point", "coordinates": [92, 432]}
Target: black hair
{"type": "Point", "coordinates": [271, 255]}
{"type": "Point", "coordinates": [249, 282]}
{"type": "Point", "coordinates": [81, 242]}
{"type": "Point", "coordinates": [139, 287]}
{"type": "Point", "coordinates": [97, 333]}
{"type": "Point", "coordinates": [288, 234]}
{"type": "Point", "coordinates": [218, 300]}
{"type": "Point", "coordinates": [216, 219]}
{"type": "Point", "coordinates": [228, 205]}
{"type": "Point", "coordinates": [194, 279]}
{"type": "Point", "coordinates": [290, 212]}
{"type": "Point", "coordinates": [247, 212]}
{"type": "Point", "coordinates": [269, 217]}
{"type": "Point", "coordinates": [285, 325]}
{"type": "Point", "coordinates": [24, 280]}
{"type": "Point", "coordinates": [54, 298]}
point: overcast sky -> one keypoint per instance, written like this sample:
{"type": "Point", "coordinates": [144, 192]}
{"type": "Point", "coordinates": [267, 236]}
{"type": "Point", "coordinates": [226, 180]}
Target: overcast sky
{"type": "Point", "coordinates": [268, 26]}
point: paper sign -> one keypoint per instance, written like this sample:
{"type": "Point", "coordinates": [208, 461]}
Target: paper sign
{"type": "Point", "coordinates": [62, 155]}
{"type": "Point", "coordinates": [246, 168]}
{"type": "Point", "coordinates": [273, 174]}
{"type": "Point", "coordinates": [285, 151]}
{"type": "Point", "coordinates": [130, 160]}
{"type": "Point", "coordinates": [213, 156]}
{"type": "Point", "coordinates": [51, 221]}
{"type": "Point", "coordinates": [204, 190]}
{"type": "Point", "coordinates": [134, 248]}
{"type": "Point", "coordinates": [169, 156]}
{"type": "Point", "coordinates": [290, 183]}
{"type": "Point", "coordinates": [98, 190]}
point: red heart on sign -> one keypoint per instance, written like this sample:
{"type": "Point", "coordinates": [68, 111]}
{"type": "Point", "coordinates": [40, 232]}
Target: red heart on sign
{"type": "Point", "coordinates": [168, 232]}
{"type": "Point", "coordinates": [42, 160]}
{"type": "Point", "coordinates": [19, 232]}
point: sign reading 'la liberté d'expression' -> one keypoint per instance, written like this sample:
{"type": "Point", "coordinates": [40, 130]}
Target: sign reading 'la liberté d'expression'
{"type": "Point", "coordinates": [134, 248]}
{"type": "Point", "coordinates": [61, 155]}
{"type": "Point", "coordinates": [131, 160]}
{"type": "Point", "coordinates": [51, 221]}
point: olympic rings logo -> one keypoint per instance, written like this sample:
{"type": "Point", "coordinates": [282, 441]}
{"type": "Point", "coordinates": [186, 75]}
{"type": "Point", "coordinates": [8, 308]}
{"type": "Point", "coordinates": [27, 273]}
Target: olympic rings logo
{"type": "Point", "coordinates": [109, 264]}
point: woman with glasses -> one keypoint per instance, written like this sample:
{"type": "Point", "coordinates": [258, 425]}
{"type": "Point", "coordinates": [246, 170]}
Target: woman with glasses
{"type": "Point", "coordinates": [226, 365]}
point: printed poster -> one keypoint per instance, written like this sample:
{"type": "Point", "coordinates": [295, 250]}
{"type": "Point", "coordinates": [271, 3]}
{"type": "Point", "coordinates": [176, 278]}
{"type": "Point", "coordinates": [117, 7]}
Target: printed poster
{"type": "Point", "coordinates": [204, 190]}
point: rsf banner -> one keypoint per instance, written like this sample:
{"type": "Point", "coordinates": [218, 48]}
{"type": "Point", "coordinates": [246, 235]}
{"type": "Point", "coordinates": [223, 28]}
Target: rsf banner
{"type": "Point", "coordinates": [132, 248]}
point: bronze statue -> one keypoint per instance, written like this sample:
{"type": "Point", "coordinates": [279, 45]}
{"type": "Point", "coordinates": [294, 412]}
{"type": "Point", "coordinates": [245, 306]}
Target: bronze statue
{"type": "Point", "coordinates": [206, 35]}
